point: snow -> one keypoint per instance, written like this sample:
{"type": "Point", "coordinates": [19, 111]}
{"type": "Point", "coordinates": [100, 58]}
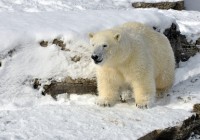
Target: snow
{"type": "Point", "coordinates": [38, 26]}
{"type": "Point", "coordinates": [66, 121]}
{"type": "Point", "coordinates": [26, 114]}
{"type": "Point", "coordinates": [188, 22]}
{"type": "Point", "coordinates": [68, 5]}
{"type": "Point", "coordinates": [188, 69]}
{"type": "Point", "coordinates": [194, 137]}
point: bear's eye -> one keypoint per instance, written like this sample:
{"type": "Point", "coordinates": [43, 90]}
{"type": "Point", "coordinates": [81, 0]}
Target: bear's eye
{"type": "Point", "coordinates": [105, 45]}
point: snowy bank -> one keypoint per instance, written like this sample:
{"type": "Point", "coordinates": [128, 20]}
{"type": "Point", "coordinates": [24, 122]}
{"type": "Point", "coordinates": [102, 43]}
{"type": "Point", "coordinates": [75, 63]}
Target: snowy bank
{"type": "Point", "coordinates": [25, 30]}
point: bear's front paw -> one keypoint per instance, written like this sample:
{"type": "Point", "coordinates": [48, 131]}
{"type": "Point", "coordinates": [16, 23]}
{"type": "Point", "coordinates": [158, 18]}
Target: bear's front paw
{"type": "Point", "coordinates": [144, 105]}
{"type": "Point", "coordinates": [105, 102]}
{"type": "Point", "coordinates": [144, 102]}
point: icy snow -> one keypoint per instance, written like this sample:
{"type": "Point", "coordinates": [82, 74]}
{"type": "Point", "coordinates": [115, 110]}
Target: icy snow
{"type": "Point", "coordinates": [26, 114]}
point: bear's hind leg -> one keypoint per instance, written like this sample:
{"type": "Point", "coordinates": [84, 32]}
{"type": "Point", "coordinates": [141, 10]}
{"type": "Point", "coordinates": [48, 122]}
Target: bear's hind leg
{"type": "Point", "coordinates": [163, 83]}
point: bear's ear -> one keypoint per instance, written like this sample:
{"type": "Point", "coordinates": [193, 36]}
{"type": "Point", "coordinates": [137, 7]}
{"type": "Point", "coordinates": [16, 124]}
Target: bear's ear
{"type": "Point", "coordinates": [117, 36]}
{"type": "Point", "coordinates": [91, 35]}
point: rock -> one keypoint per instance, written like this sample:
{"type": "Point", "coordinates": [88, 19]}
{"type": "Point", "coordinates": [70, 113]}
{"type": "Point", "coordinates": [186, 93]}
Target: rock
{"type": "Point", "coordinates": [36, 83]}
{"type": "Point", "coordinates": [183, 49]}
{"type": "Point", "coordinates": [59, 43]}
{"type": "Point", "coordinates": [194, 136]}
{"type": "Point", "coordinates": [188, 48]}
{"type": "Point", "coordinates": [76, 58]}
{"type": "Point", "coordinates": [198, 43]}
{"type": "Point", "coordinates": [180, 132]}
{"type": "Point", "coordinates": [173, 34]}
{"type": "Point", "coordinates": [196, 108]}
{"type": "Point", "coordinates": [10, 53]}
{"type": "Point", "coordinates": [43, 43]}
{"type": "Point", "coordinates": [179, 5]}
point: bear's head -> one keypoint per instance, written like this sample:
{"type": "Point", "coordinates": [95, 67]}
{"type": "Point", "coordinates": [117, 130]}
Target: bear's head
{"type": "Point", "coordinates": [106, 45]}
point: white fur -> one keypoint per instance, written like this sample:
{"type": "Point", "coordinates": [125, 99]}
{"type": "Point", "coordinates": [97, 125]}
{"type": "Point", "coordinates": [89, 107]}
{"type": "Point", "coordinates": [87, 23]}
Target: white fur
{"type": "Point", "coordinates": [136, 56]}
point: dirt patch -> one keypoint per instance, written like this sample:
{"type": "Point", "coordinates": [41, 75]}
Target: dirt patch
{"type": "Point", "coordinates": [57, 41]}
{"type": "Point", "coordinates": [43, 43]}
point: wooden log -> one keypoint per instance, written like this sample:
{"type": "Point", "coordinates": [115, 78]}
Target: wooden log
{"type": "Point", "coordinates": [178, 5]}
{"type": "Point", "coordinates": [70, 86]}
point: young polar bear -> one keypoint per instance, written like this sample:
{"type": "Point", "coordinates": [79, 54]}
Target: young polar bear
{"type": "Point", "coordinates": [132, 54]}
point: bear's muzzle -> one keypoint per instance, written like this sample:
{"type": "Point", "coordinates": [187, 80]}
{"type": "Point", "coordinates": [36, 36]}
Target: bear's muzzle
{"type": "Point", "coordinates": [96, 59]}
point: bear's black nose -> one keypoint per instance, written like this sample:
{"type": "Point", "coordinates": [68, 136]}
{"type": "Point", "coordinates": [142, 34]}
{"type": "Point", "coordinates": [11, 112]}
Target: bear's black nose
{"type": "Point", "coordinates": [94, 57]}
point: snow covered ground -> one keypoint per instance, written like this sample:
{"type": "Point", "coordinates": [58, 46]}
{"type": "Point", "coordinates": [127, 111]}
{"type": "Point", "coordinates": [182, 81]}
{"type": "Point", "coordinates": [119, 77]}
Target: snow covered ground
{"type": "Point", "coordinates": [26, 114]}
{"type": "Point", "coordinates": [67, 5]}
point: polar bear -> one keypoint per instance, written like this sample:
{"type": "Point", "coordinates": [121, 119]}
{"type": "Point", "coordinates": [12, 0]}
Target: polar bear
{"type": "Point", "coordinates": [135, 55]}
